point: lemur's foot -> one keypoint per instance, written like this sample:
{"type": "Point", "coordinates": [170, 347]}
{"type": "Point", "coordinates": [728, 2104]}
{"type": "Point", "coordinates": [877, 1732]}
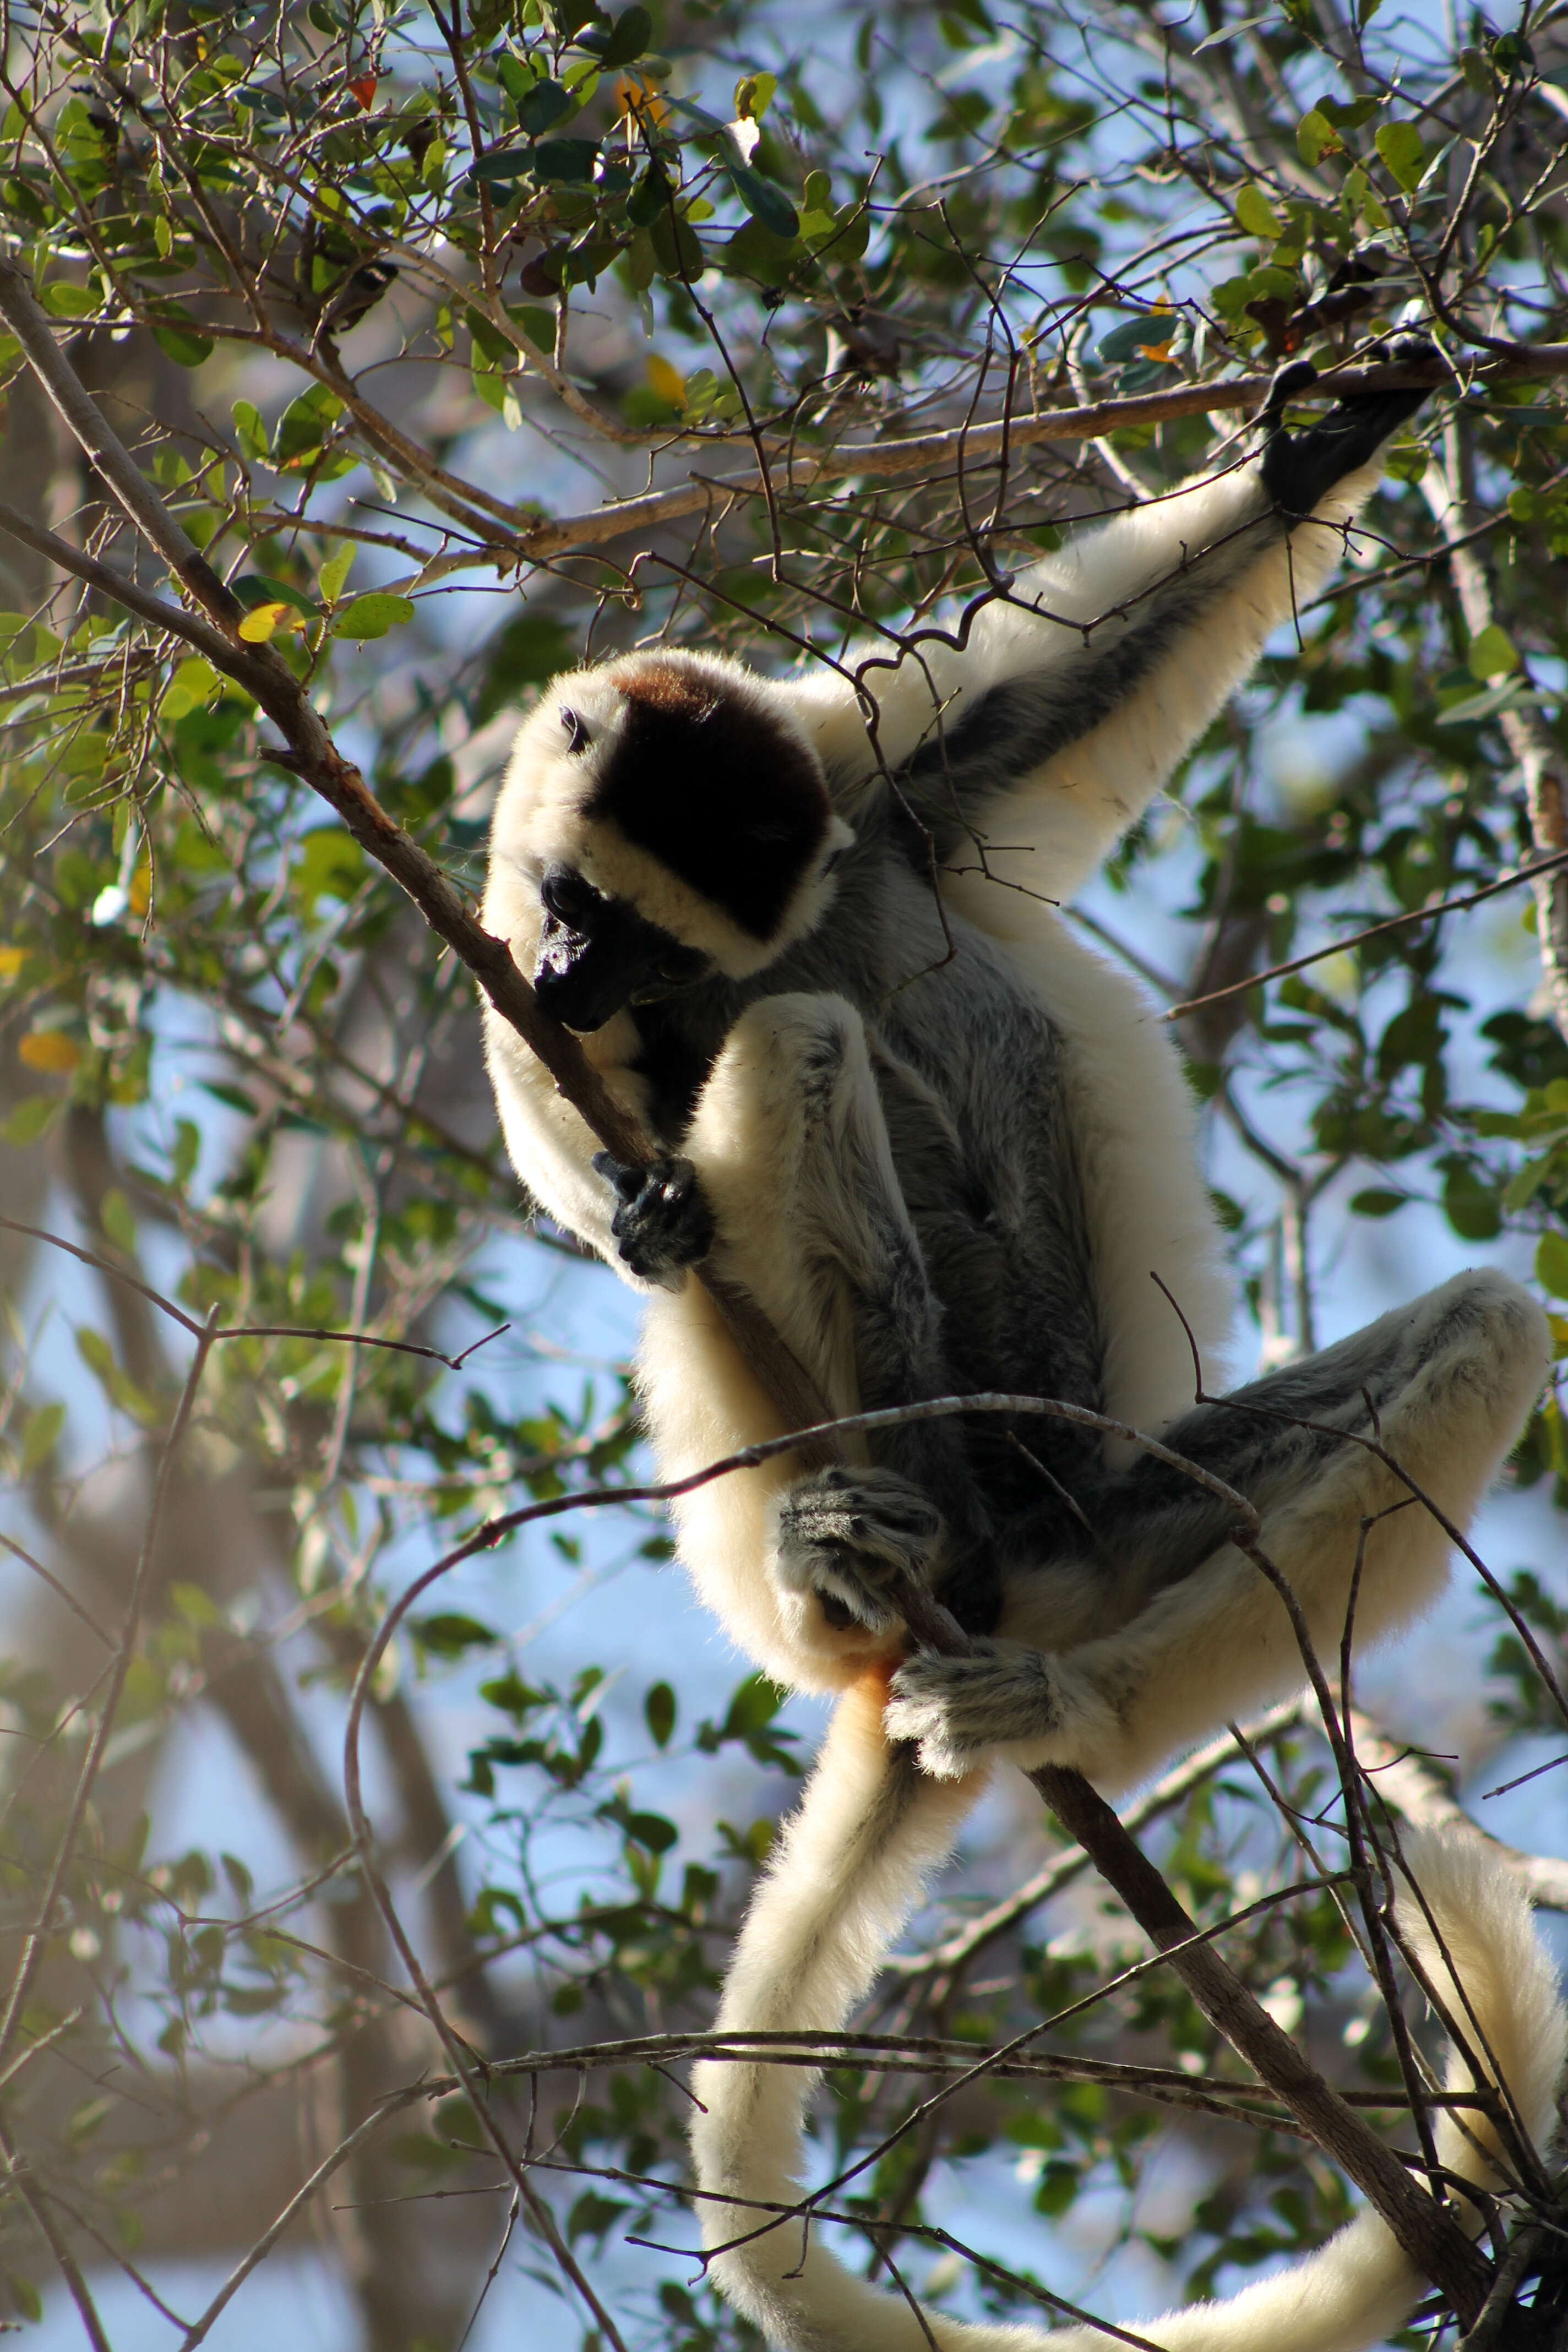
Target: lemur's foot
{"type": "Point", "coordinates": [664, 1223]}
{"type": "Point", "coordinates": [847, 1539]}
{"type": "Point", "coordinates": [1301, 468]}
{"type": "Point", "coordinates": [954, 1710]}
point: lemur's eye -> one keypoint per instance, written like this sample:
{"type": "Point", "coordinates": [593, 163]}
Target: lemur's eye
{"type": "Point", "coordinates": [568, 897]}
{"type": "Point", "coordinates": [577, 734]}
{"type": "Point", "coordinates": [681, 965]}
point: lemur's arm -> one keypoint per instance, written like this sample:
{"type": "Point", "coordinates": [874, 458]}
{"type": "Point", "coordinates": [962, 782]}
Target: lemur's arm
{"type": "Point", "coordinates": [1074, 697]}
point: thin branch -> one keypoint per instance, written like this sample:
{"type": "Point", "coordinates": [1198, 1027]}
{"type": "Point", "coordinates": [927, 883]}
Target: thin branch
{"type": "Point", "coordinates": [19, 2173]}
{"type": "Point", "coordinates": [37, 1936]}
{"type": "Point", "coordinates": [1373, 932]}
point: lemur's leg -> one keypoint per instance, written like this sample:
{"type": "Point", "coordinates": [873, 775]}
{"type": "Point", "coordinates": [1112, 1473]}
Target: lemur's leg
{"type": "Point", "coordinates": [790, 1150]}
{"type": "Point", "coordinates": [1449, 1381]}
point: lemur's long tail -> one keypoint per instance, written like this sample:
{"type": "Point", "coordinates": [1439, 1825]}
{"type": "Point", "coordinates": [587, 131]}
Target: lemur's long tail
{"type": "Point", "coordinates": [850, 1865]}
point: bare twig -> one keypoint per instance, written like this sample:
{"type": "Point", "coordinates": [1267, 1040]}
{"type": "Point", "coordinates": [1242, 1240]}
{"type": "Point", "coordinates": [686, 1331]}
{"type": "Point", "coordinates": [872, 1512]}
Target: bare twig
{"type": "Point", "coordinates": [37, 1937]}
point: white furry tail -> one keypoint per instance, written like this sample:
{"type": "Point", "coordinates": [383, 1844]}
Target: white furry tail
{"type": "Point", "coordinates": [850, 1867]}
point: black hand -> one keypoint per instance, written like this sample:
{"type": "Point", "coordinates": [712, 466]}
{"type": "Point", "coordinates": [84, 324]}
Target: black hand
{"type": "Point", "coordinates": [1301, 468]}
{"type": "Point", "coordinates": [664, 1223]}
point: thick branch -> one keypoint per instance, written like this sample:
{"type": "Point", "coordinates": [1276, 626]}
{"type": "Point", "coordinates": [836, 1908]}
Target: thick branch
{"type": "Point", "coordinates": [125, 478]}
{"type": "Point", "coordinates": [970, 445]}
{"type": "Point", "coordinates": [1428, 2235]}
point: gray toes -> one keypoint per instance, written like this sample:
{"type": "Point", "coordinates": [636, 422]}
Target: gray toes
{"type": "Point", "coordinates": [851, 1538]}
{"type": "Point", "coordinates": [954, 1710]}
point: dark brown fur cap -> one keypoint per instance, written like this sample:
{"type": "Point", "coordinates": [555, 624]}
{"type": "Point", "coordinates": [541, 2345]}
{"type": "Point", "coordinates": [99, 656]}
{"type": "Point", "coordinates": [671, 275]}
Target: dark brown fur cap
{"type": "Point", "coordinates": [713, 786]}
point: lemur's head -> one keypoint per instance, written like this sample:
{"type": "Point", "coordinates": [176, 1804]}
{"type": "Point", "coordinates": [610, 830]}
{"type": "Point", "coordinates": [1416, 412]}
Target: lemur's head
{"type": "Point", "coordinates": [671, 816]}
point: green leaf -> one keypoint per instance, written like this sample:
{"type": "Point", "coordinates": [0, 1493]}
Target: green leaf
{"type": "Point", "coordinates": [192, 686]}
{"type": "Point", "coordinates": [1491, 654]}
{"type": "Point", "coordinates": [1470, 1206]}
{"type": "Point", "coordinates": [328, 862]}
{"type": "Point", "coordinates": [501, 163]}
{"type": "Point", "coordinates": [1478, 73]}
{"type": "Point", "coordinates": [537, 323]}
{"type": "Point", "coordinates": [567, 162]}
{"type": "Point", "coordinates": [1316, 137]}
{"type": "Point", "coordinates": [1511, 694]}
{"type": "Point", "coordinates": [1256, 213]}
{"type": "Point", "coordinates": [652, 1830]}
{"type": "Point", "coordinates": [658, 1707]}
{"type": "Point", "coordinates": [256, 590]}
{"type": "Point", "coordinates": [181, 344]}
{"type": "Point", "coordinates": [629, 37]}
{"type": "Point", "coordinates": [1133, 337]}
{"type": "Point", "coordinates": [32, 1119]}
{"type": "Point", "coordinates": [303, 427]}
{"type": "Point", "coordinates": [1552, 1263]}
{"type": "Point", "coordinates": [753, 96]}
{"type": "Point", "coordinates": [450, 1634]}
{"type": "Point", "coordinates": [373, 616]}
{"type": "Point", "coordinates": [67, 301]}
{"type": "Point", "coordinates": [233, 1097]}
{"type": "Point", "coordinates": [592, 2216]}
{"type": "Point", "coordinates": [676, 247]}
{"type": "Point", "coordinates": [1404, 151]}
{"type": "Point", "coordinates": [249, 431]}
{"type": "Point", "coordinates": [335, 570]}
{"type": "Point", "coordinates": [755, 1702]}
{"type": "Point", "coordinates": [512, 1694]}
{"type": "Point", "coordinates": [117, 1221]}
{"type": "Point", "coordinates": [766, 203]}
{"type": "Point", "coordinates": [44, 1428]}
{"type": "Point", "coordinates": [1376, 1203]}
{"type": "Point", "coordinates": [98, 1356]}
{"type": "Point", "coordinates": [545, 103]}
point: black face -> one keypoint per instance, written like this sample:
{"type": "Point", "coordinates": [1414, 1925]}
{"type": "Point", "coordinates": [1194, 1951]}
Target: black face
{"type": "Point", "coordinates": [597, 954]}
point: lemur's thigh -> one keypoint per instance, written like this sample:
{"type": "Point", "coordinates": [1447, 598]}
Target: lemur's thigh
{"type": "Point", "coordinates": [1448, 1382]}
{"type": "Point", "coordinates": [791, 1147]}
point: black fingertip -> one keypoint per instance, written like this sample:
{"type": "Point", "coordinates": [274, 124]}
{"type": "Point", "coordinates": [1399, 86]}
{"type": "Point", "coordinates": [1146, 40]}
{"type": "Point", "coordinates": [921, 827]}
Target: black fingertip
{"type": "Point", "coordinates": [626, 1183]}
{"type": "Point", "coordinates": [1288, 382]}
{"type": "Point", "coordinates": [1411, 350]}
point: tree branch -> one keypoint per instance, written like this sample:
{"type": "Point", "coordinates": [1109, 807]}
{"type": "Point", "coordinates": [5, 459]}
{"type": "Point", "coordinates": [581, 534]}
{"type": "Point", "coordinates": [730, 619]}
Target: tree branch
{"type": "Point", "coordinates": [965, 446]}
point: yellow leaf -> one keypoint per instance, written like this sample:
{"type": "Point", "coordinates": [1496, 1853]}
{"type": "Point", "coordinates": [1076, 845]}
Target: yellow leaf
{"type": "Point", "coordinates": [50, 1049]}
{"type": "Point", "coordinates": [667, 380]}
{"type": "Point", "coordinates": [258, 625]}
{"type": "Point", "coordinates": [139, 898]}
{"type": "Point", "coordinates": [635, 96]}
{"type": "Point", "coordinates": [11, 962]}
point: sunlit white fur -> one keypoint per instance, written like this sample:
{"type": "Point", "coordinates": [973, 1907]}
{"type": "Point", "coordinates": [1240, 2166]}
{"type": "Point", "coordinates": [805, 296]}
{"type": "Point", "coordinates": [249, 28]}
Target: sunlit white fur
{"type": "Point", "coordinates": [1135, 1679]}
{"type": "Point", "coordinates": [540, 820]}
{"type": "Point", "coordinates": [813, 1942]}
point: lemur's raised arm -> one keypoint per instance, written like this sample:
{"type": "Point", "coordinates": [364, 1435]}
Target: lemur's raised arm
{"type": "Point", "coordinates": [1073, 698]}
{"type": "Point", "coordinates": [942, 1172]}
